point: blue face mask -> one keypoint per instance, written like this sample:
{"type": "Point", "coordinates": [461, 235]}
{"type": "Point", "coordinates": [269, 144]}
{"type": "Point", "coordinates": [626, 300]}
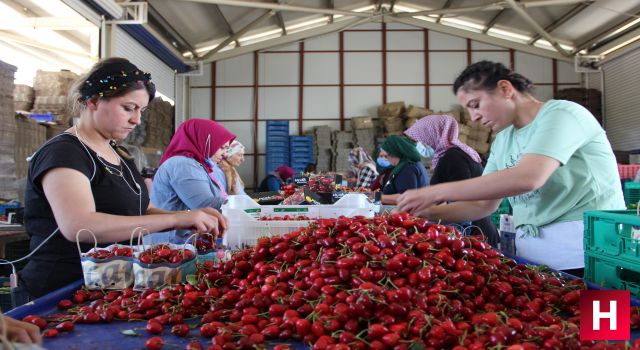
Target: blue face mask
{"type": "Point", "coordinates": [425, 151]}
{"type": "Point", "coordinates": [383, 162]}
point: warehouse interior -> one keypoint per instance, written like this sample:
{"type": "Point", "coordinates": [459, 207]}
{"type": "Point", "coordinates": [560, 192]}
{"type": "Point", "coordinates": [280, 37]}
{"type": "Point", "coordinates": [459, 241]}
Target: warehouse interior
{"type": "Point", "coordinates": [308, 87]}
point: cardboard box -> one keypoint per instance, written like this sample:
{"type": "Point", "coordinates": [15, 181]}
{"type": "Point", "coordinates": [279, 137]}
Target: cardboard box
{"type": "Point", "coordinates": [361, 123]}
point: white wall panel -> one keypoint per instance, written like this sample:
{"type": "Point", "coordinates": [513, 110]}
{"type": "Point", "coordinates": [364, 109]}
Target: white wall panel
{"type": "Point", "coordinates": [234, 103]}
{"type": "Point", "coordinates": [362, 68]}
{"type": "Point", "coordinates": [200, 103]}
{"type": "Point", "coordinates": [543, 92]}
{"type": "Point", "coordinates": [279, 68]}
{"type": "Point", "coordinates": [362, 41]}
{"type": "Point", "coordinates": [400, 26]}
{"type": "Point", "coordinates": [442, 98]}
{"type": "Point", "coordinates": [287, 47]}
{"type": "Point", "coordinates": [405, 41]}
{"type": "Point", "coordinates": [411, 95]}
{"type": "Point", "coordinates": [278, 102]}
{"type": "Point", "coordinates": [444, 67]}
{"type": "Point", "coordinates": [325, 42]}
{"type": "Point", "coordinates": [502, 57]}
{"type": "Point", "coordinates": [320, 102]}
{"type": "Point", "coordinates": [361, 100]}
{"type": "Point", "coordinates": [438, 41]}
{"type": "Point", "coordinates": [262, 166]}
{"type": "Point", "coordinates": [235, 71]}
{"type": "Point", "coordinates": [124, 45]}
{"type": "Point", "coordinates": [567, 73]}
{"type": "Point", "coordinates": [321, 68]}
{"type": "Point", "coordinates": [476, 45]}
{"type": "Point", "coordinates": [405, 68]}
{"type": "Point", "coordinates": [536, 68]}
{"type": "Point", "coordinates": [205, 78]}
{"type": "Point", "coordinates": [243, 131]}
{"type": "Point", "coordinates": [367, 26]}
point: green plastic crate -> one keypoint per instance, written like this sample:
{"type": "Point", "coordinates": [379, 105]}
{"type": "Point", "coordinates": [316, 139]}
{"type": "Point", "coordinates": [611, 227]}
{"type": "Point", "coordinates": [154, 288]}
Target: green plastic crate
{"type": "Point", "coordinates": [505, 207]}
{"type": "Point", "coordinates": [612, 233]}
{"type": "Point", "coordinates": [631, 194]}
{"type": "Point", "coordinates": [613, 273]}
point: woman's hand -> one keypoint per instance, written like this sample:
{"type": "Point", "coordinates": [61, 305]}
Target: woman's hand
{"type": "Point", "coordinates": [22, 332]}
{"type": "Point", "coordinates": [204, 220]}
{"type": "Point", "coordinates": [418, 200]}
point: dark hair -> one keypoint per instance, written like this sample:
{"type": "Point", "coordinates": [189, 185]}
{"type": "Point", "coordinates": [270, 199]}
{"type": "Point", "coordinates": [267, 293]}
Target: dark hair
{"type": "Point", "coordinates": [115, 69]}
{"type": "Point", "coordinates": [484, 75]}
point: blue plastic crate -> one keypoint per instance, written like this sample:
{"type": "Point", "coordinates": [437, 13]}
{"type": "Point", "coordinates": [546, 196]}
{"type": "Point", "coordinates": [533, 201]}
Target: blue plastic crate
{"type": "Point", "coordinates": [302, 139]}
{"type": "Point", "coordinates": [49, 117]}
{"type": "Point", "coordinates": [271, 133]}
{"type": "Point", "coordinates": [282, 144]}
{"type": "Point", "coordinates": [10, 205]}
{"type": "Point", "coordinates": [271, 149]}
{"type": "Point", "coordinates": [278, 123]}
{"type": "Point", "coordinates": [299, 159]}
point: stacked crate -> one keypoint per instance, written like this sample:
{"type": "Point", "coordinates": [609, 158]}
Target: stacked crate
{"type": "Point", "coordinates": [300, 152]}
{"type": "Point", "coordinates": [8, 128]}
{"type": "Point", "coordinates": [365, 134]}
{"type": "Point", "coordinates": [342, 145]}
{"type": "Point", "coordinates": [322, 148]}
{"type": "Point", "coordinates": [277, 144]}
{"type": "Point", "coordinates": [612, 249]}
{"type": "Point", "coordinates": [51, 89]}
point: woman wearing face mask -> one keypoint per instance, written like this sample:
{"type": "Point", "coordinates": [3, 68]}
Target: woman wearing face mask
{"type": "Point", "coordinates": [552, 159]}
{"type": "Point", "coordinates": [363, 166]}
{"type": "Point", "coordinates": [231, 160]}
{"type": "Point", "coordinates": [384, 169]}
{"type": "Point", "coordinates": [184, 180]}
{"type": "Point", "coordinates": [452, 160]}
{"type": "Point", "coordinates": [408, 171]}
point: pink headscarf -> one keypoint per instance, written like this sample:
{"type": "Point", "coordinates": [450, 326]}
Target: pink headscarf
{"type": "Point", "coordinates": [439, 132]}
{"type": "Point", "coordinates": [198, 139]}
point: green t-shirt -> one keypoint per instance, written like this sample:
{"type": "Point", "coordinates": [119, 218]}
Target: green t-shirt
{"type": "Point", "coordinates": [587, 178]}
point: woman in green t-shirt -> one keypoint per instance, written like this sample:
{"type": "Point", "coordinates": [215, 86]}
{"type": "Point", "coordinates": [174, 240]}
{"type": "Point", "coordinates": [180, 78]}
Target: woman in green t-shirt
{"type": "Point", "coordinates": [552, 159]}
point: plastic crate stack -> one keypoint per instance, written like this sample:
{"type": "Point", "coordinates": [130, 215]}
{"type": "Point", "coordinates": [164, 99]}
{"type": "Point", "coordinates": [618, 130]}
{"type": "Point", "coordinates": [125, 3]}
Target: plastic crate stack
{"type": "Point", "coordinates": [277, 144]}
{"type": "Point", "coordinates": [632, 194]}
{"type": "Point", "coordinates": [301, 152]}
{"type": "Point", "coordinates": [612, 249]}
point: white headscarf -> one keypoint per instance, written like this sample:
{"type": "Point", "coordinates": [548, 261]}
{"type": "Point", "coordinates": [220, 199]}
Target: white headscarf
{"type": "Point", "coordinates": [234, 148]}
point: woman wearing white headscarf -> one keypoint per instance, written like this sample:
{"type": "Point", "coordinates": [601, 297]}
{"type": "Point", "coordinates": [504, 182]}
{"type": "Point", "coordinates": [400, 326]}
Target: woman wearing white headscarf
{"type": "Point", "coordinates": [364, 167]}
{"type": "Point", "coordinates": [229, 164]}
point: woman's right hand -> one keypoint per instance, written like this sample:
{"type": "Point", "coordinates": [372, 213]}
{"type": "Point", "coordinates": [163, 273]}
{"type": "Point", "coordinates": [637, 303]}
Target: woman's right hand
{"type": "Point", "coordinates": [204, 220]}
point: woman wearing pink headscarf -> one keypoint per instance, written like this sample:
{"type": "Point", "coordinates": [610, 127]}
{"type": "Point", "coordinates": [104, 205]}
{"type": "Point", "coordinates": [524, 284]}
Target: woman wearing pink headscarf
{"type": "Point", "coordinates": [452, 159]}
{"type": "Point", "coordinates": [185, 179]}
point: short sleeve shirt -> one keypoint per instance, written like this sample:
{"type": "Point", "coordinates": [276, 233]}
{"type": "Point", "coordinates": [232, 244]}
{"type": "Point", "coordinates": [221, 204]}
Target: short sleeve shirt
{"type": "Point", "coordinates": [57, 262]}
{"type": "Point", "coordinates": [587, 178]}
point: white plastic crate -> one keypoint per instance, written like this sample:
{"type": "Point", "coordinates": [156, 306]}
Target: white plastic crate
{"type": "Point", "coordinates": [243, 215]}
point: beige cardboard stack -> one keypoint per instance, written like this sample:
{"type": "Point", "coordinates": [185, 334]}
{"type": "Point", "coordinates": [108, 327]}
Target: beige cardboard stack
{"type": "Point", "coordinates": [391, 116]}
{"type": "Point", "coordinates": [322, 148]}
{"type": "Point", "coordinates": [29, 136]}
{"type": "Point", "coordinates": [51, 89]}
{"type": "Point", "coordinates": [414, 113]}
{"type": "Point", "coordinates": [8, 185]}
{"type": "Point", "coordinates": [159, 124]}
{"type": "Point", "coordinates": [478, 136]}
{"type": "Point", "coordinates": [342, 145]}
{"type": "Point", "coordinates": [23, 96]}
{"type": "Point", "coordinates": [365, 133]}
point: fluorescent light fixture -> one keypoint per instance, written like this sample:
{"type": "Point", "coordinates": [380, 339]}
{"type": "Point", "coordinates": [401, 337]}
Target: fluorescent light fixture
{"type": "Point", "coordinates": [621, 45]}
{"type": "Point", "coordinates": [260, 35]}
{"type": "Point", "coordinates": [455, 22]}
{"type": "Point", "coordinates": [499, 33]}
{"type": "Point", "coordinates": [623, 28]}
{"type": "Point", "coordinates": [545, 44]}
{"type": "Point", "coordinates": [111, 7]}
{"type": "Point", "coordinates": [309, 23]}
{"type": "Point", "coordinates": [402, 8]}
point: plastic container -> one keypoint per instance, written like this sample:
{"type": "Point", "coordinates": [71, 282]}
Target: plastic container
{"type": "Point", "coordinates": [244, 213]}
{"type": "Point", "coordinates": [612, 233]}
{"type": "Point", "coordinates": [613, 273]}
{"type": "Point", "coordinates": [631, 194]}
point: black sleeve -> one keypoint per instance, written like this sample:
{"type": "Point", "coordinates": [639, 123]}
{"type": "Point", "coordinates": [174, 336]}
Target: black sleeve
{"type": "Point", "coordinates": [63, 152]}
{"type": "Point", "coordinates": [453, 166]}
{"type": "Point", "coordinates": [407, 178]}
